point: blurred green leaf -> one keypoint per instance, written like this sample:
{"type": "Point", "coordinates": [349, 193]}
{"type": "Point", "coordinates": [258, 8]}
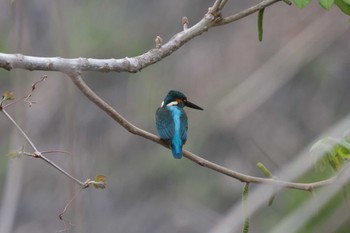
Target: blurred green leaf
{"type": "Point", "coordinates": [264, 170]}
{"type": "Point", "coordinates": [99, 182]}
{"type": "Point", "coordinates": [302, 3]}
{"type": "Point", "coordinates": [333, 161]}
{"type": "Point", "coordinates": [260, 24]}
{"type": "Point", "coordinates": [343, 5]}
{"type": "Point", "coordinates": [271, 199]}
{"type": "Point", "coordinates": [328, 143]}
{"type": "Point", "coordinates": [331, 151]}
{"type": "Point", "coordinates": [343, 152]}
{"type": "Point", "coordinates": [245, 192]}
{"type": "Point", "coordinates": [8, 95]}
{"type": "Point", "coordinates": [16, 153]}
{"type": "Point", "coordinates": [326, 4]}
{"type": "Point", "coordinates": [268, 174]}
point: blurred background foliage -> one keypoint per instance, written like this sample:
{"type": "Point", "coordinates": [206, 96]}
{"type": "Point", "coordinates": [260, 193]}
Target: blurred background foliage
{"type": "Point", "coordinates": [264, 102]}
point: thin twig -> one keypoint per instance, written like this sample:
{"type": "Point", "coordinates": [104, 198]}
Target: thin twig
{"type": "Point", "coordinates": [65, 210]}
{"type": "Point", "coordinates": [222, 4]}
{"type": "Point", "coordinates": [82, 184]}
{"type": "Point", "coordinates": [246, 12]}
{"type": "Point", "coordinates": [20, 130]}
{"type": "Point", "coordinates": [38, 154]}
{"type": "Point", "coordinates": [216, 6]}
{"type": "Point", "coordinates": [56, 151]}
{"type": "Point", "coordinates": [26, 98]}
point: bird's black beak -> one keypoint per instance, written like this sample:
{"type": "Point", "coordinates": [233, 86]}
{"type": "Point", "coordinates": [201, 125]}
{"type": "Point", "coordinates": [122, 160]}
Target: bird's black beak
{"type": "Point", "coordinates": [192, 105]}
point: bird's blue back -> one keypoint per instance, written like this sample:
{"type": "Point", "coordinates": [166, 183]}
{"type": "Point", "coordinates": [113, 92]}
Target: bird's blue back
{"type": "Point", "coordinates": [171, 124]}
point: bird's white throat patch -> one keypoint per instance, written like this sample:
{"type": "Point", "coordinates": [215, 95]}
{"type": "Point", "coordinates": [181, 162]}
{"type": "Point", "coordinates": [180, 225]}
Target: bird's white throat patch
{"type": "Point", "coordinates": [174, 103]}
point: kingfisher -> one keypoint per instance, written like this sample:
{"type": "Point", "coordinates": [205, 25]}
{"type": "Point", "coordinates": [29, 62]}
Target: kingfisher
{"type": "Point", "coordinates": [171, 121]}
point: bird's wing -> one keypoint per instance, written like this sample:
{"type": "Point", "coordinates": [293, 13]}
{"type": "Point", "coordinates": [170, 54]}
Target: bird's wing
{"type": "Point", "coordinates": [164, 123]}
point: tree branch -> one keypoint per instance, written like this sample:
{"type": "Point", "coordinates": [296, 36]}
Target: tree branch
{"type": "Point", "coordinates": [38, 154]}
{"type": "Point", "coordinates": [134, 64]}
{"type": "Point", "coordinates": [91, 95]}
{"type": "Point", "coordinates": [246, 12]}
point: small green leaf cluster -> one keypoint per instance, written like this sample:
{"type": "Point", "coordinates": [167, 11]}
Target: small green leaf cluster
{"type": "Point", "coordinates": [267, 174]}
{"type": "Point", "coordinates": [16, 153]}
{"type": "Point", "coordinates": [99, 182]}
{"type": "Point", "coordinates": [343, 5]}
{"type": "Point", "coordinates": [7, 95]}
{"type": "Point", "coordinates": [331, 151]}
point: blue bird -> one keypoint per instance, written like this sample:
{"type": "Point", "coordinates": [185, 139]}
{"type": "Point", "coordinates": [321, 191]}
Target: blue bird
{"type": "Point", "coordinates": [171, 121]}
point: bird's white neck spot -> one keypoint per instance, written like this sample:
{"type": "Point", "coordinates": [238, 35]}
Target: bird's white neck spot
{"type": "Point", "coordinates": [173, 103]}
{"type": "Point", "coordinates": [162, 104]}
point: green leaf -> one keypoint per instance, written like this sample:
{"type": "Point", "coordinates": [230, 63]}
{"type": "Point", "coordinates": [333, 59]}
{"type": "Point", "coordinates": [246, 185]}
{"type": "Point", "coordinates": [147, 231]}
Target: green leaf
{"type": "Point", "coordinates": [16, 153]}
{"type": "Point", "coordinates": [327, 144]}
{"type": "Point", "coordinates": [264, 170]}
{"type": "Point", "coordinates": [271, 199]}
{"type": "Point", "coordinates": [99, 182]}
{"type": "Point", "coordinates": [326, 4]}
{"type": "Point", "coordinates": [245, 192]}
{"type": "Point", "coordinates": [342, 142]}
{"type": "Point", "coordinates": [260, 23]}
{"type": "Point", "coordinates": [8, 95]}
{"type": "Point", "coordinates": [333, 161]}
{"type": "Point", "coordinates": [268, 174]}
{"type": "Point", "coordinates": [343, 152]}
{"type": "Point", "coordinates": [301, 4]}
{"type": "Point", "coordinates": [343, 6]}
{"type": "Point", "coordinates": [331, 151]}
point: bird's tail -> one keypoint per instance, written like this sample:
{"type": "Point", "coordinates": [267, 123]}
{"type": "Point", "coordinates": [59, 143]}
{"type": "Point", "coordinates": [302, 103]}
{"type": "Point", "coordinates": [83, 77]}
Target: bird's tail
{"type": "Point", "coordinates": [176, 150]}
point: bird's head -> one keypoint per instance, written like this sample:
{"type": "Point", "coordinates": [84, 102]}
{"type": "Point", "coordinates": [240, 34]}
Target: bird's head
{"type": "Point", "coordinates": [176, 98]}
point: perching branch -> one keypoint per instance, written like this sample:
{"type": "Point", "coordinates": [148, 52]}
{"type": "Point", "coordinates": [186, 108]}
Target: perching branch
{"type": "Point", "coordinates": [92, 96]}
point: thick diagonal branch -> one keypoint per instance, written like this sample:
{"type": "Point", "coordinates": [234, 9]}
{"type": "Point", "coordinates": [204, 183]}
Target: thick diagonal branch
{"type": "Point", "coordinates": [211, 19]}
